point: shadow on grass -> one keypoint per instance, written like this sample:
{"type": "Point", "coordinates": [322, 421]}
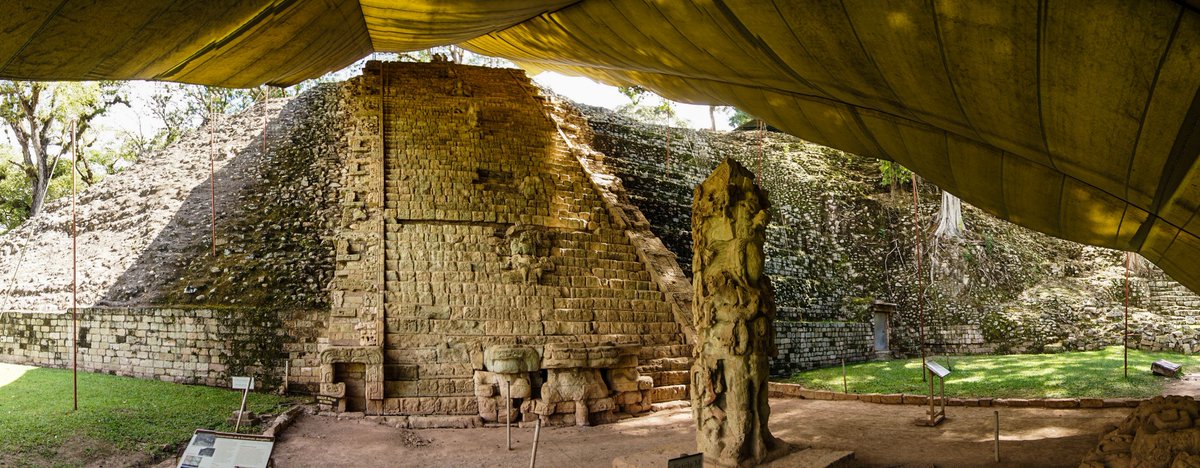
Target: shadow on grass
{"type": "Point", "coordinates": [1066, 375]}
{"type": "Point", "coordinates": [116, 416]}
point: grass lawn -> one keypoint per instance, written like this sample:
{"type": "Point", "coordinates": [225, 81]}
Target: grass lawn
{"type": "Point", "coordinates": [119, 418]}
{"type": "Point", "coordinates": [1063, 375]}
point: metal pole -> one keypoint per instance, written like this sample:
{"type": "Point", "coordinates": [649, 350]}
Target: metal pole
{"type": "Point", "coordinates": [1125, 341]}
{"type": "Point", "coordinates": [74, 276]}
{"type": "Point", "coordinates": [212, 173]}
{"type": "Point", "coordinates": [537, 430]}
{"type": "Point", "coordinates": [920, 289]}
{"type": "Point", "coordinates": [844, 388]}
{"type": "Point", "coordinates": [997, 413]}
{"type": "Point", "coordinates": [266, 104]}
{"type": "Point", "coordinates": [758, 164]}
{"type": "Point", "coordinates": [668, 129]}
{"type": "Point", "coordinates": [508, 414]}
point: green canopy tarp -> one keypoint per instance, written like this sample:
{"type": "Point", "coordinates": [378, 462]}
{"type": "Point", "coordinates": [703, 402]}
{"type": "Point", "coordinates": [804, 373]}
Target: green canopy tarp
{"type": "Point", "coordinates": [1080, 119]}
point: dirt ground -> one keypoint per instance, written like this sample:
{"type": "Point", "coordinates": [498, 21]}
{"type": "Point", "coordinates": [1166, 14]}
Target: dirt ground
{"type": "Point", "coordinates": [879, 435]}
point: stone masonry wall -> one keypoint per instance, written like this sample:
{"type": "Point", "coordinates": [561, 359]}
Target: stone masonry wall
{"type": "Point", "coordinates": [191, 346]}
{"type": "Point", "coordinates": [487, 232]}
{"type": "Point", "coordinates": [958, 339]}
{"type": "Point", "coordinates": [1172, 298]}
{"type": "Point", "coordinates": [809, 345]}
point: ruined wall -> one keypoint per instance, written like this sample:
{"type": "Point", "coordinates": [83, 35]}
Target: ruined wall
{"type": "Point", "coordinates": [841, 239]}
{"type": "Point", "coordinates": [191, 346]}
{"type": "Point", "coordinates": [809, 345]}
{"type": "Point", "coordinates": [467, 223]}
{"type": "Point", "coordinates": [145, 232]}
{"type": "Point", "coordinates": [958, 339]}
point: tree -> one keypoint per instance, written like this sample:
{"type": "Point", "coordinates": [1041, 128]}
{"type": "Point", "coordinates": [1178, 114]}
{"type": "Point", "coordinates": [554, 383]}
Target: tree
{"type": "Point", "coordinates": [739, 118]}
{"type": "Point", "coordinates": [950, 220]}
{"type": "Point", "coordinates": [40, 116]}
{"type": "Point", "coordinates": [893, 175]}
{"type": "Point", "coordinates": [181, 107]}
{"type": "Point", "coordinates": [640, 107]}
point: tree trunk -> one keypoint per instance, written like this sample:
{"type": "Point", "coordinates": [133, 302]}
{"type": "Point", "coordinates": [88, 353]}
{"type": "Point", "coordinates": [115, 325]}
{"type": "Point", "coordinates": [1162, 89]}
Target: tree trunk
{"type": "Point", "coordinates": [712, 118]}
{"type": "Point", "coordinates": [950, 222]}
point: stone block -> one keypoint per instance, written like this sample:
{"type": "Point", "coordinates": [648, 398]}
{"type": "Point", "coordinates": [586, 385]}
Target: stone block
{"type": "Point", "coordinates": [668, 393]}
{"type": "Point", "coordinates": [629, 398]}
{"type": "Point", "coordinates": [1091, 402]}
{"type": "Point", "coordinates": [623, 379]}
{"type": "Point", "coordinates": [601, 404]}
{"type": "Point", "coordinates": [573, 385]}
{"type": "Point", "coordinates": [1061, 403]}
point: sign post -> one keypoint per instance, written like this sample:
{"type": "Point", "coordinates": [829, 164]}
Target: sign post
{"type": "Point", "coordinates": [245, 384]}
{"type": "Point", "coordinates": [936, 416]}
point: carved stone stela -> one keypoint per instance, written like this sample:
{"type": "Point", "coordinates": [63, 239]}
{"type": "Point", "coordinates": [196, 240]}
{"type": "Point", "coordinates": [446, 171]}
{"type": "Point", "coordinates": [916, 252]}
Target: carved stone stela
{"type": "Point", "coordinates": [734, 313]}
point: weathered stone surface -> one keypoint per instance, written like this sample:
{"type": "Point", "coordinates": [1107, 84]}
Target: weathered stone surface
{"type": "Point", "coordinates": [511, 359]}
{"type": "Point", "coordinates": [1161, 432]}
{"type": "Point", "coordinates": [574, 385]}
{"type": "Point", "coordinates": [735, 313]}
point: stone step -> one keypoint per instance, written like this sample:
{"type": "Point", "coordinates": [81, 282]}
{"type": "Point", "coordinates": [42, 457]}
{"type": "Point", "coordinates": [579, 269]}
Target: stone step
{"type": "Point", "coordinates": [665, 378]}
{"type": "Point", "coordinates": [668, 393]}
{"type": "Point", "coordinates": [667, 358]}
{"type": "Point", "coordinates": [662, 364]}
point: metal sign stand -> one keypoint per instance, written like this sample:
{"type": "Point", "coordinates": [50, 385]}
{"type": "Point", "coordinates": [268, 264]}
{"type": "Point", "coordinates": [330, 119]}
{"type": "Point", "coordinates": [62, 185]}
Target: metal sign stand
{"type": "Point", "coordinates": [936, 415]}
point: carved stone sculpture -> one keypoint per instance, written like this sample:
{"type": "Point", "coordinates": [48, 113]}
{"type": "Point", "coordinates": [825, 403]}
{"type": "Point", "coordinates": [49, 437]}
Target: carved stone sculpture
{"type": "Point", "coordinates": [528, 254]}
{"type": "Point", "coordinates": [1160, 432]}
{"type": "Point", "coordinates": [734, 312]}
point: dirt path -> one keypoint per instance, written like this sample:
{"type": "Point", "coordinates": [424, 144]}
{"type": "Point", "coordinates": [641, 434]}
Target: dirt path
{"type": "Point", "coordinates": [1188, 385]}
{"type": "Point", "coordinates": [880, 435]}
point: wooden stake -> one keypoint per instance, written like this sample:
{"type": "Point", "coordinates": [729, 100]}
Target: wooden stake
{"type": "Point", "coordinates": [537, 430]}
{"type": "Point", "coordinates": [844, 387]}
{"type": "Point", "coordinates": [997, 413]}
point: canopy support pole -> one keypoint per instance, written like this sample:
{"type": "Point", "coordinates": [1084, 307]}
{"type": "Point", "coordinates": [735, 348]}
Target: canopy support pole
{"type": "Point", "coordinates": [74, 275]}
{"type": "Point", "coordinates": [920, 280]}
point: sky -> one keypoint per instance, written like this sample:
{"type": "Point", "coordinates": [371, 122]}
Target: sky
{"type": "Point", "coordinates": [136, 119]}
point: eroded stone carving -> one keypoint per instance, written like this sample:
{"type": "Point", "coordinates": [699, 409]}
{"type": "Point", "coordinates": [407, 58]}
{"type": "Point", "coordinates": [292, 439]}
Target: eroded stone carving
{"type": "Point", "coordinates": [528, 254]}
{"type": "Point", "coordinates": [734, 312]}
{"type": "Point", "coordinates": [588, 384]}
{"type": "Point", "coordinates": [1161, 432]}
{"type": "Point", "coordinates": [372, 359]}
{"type": "Point", "coordinates": [511, 359]}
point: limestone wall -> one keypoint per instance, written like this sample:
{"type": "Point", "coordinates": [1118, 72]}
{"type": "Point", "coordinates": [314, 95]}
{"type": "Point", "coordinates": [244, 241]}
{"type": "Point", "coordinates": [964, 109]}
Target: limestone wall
{"type": "Point", "coordinates": [192, 346]}
{"type": "Point", "coordinates": [809, 345]}
{"type": "Point", "coordinates": [958, 339]}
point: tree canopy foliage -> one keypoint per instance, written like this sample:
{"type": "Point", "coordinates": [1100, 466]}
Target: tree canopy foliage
{"type": "Point", "coordinates": [41, 117]}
